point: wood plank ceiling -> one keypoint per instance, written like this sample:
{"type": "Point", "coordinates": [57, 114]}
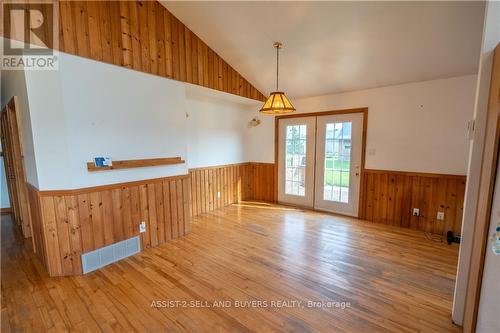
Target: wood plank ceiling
{"type": "Point", "coordinates": [145, 36]}
{"type": "Point", "coordinates": [139, 35]}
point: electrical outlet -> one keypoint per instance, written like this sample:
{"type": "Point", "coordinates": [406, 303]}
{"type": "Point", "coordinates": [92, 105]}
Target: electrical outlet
{"type": "Point", "coordinates": [440, 216]}
{"type": "Point", "coordinates": [416, 212]}
{"type": "Point", "coordinates": [218, 194]}
{"type": "Point", "coordinates": [142, 227]}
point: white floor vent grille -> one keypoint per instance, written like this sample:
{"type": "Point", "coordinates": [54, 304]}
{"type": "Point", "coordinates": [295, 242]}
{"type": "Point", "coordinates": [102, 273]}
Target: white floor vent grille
{"type": "Point", "coordinates": [109, 254]}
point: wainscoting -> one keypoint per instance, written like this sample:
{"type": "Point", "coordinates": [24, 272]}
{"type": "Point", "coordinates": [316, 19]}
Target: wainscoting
{"type": "Point", "coordinates": [261, 182]}
{"type": "Point", "coordinates": [389, 198]}
{"type": "Point", "coordinates": [69, 223]}
{"type": "Point", "coordinates": [220, 186]}
{"type": "Point", "coordinates": [144, 36]}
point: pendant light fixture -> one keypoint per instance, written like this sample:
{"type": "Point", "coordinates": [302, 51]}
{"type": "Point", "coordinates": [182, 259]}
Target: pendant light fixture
{"type": "Point", "coordinates": [277, 103]}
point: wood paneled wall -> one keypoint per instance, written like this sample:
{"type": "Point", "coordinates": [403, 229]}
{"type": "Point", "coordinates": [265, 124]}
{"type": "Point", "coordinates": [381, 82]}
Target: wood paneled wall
{"type": "Point", "coordinates": [261, 181]}
{"type": "Point", "coordinates": [234, 182]}
{"type": "Point", "coordinates": [206, 183]}
{"type": "Point", "coordinates": [145, 36]}
{"type": "Point", "coordinates": [391, 196]}
{"type": "Point", "coordinates": [69, 223]}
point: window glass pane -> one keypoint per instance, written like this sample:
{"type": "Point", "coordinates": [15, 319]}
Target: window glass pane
{"type": "Point", "coordinates": [295, 159]}
{"type": "Point", "coordinates": [344, 179]}
{"type": "Point", "coordinates": [337, 161]}
{"type": "Point", "coordinates": [303, 132]}
{"type": "Point", "coordinates": [344, 194]}
{"type": "Point", "coordinates": [336, 193]}
{"type": "Point", "coordinates": [346, 131]}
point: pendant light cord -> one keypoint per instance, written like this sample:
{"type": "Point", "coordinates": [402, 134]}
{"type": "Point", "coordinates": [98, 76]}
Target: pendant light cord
{"type": "Point", "coordinates": [277, 65]}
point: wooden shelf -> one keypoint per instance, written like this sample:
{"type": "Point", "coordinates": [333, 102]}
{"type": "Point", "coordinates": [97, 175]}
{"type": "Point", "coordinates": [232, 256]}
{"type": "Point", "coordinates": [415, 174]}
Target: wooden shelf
{"type": "Point", "coordinates": [129, 164]}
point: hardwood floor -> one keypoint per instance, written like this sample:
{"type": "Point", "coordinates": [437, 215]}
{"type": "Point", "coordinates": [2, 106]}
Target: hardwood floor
{"type": "Point", "coordinates": [395, 279]}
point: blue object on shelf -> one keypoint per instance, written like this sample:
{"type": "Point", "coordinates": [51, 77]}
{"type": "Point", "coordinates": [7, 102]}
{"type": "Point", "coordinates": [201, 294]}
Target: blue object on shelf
{"type": "Point", "coordinates": [102, 162]}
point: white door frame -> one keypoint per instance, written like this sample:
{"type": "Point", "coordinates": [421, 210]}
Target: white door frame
{"type": "Point", "coordinates": [277, 149]}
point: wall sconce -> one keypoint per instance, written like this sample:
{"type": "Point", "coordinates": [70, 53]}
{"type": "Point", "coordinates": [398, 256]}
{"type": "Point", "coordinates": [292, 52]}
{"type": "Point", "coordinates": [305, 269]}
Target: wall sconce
{"type": "Point", "coordinates": [254, 122]}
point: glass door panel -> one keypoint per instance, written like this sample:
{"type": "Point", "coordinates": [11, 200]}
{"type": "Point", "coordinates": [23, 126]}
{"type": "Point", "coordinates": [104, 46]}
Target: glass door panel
{"type": "Point", "coordinates": [337, 162]}
{"type": "Point", "coordinates": [296, 150]}
{"type": "Point", "coordinates": [296, 144]}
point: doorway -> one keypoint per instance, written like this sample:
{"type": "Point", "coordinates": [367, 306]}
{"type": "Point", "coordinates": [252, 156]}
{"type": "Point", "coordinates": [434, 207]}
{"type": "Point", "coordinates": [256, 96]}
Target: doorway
{"type": "Point", "coordinates": [320, 160]}
{"type": "Point", "coordinates": [14, 165]}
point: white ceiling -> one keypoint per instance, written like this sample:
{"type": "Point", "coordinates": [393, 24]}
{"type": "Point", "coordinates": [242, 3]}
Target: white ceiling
{"type": "Point", "coordinates": [332, 47]}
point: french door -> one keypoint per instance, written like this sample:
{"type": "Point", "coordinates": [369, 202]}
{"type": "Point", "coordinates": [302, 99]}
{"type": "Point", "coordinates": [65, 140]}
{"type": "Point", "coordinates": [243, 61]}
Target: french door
{"type": "Point", "coordinates": [319, 162]}
{"type": "Point", "coordinates": [338, 163]}
{"type": "Point", "coordinates": [296, 140]}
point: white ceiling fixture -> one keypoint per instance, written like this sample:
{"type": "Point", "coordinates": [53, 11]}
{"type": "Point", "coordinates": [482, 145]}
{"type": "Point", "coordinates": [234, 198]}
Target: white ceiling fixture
{"type": "Point", "coordinates": [340, 46]}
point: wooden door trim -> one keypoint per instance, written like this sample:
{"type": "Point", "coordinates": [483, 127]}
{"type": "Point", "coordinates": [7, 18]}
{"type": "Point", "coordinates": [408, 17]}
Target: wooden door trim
{"type": "Point", "coordinates": [364, 111]}
{"type": "Point", "coordinates": [485, 198]}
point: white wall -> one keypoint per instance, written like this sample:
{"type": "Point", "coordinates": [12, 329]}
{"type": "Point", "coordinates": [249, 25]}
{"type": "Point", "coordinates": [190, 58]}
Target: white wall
{"type": "Point", "coordinates": [260, 139]}
{"type": "Point", "coordinates": [417, 127]}
{"type": "Point", "coordinates": [217, 127]}
{"type": "Point", "coordinates": [89, 109]}
{"type": "Point", "coordinates": [491, 37]}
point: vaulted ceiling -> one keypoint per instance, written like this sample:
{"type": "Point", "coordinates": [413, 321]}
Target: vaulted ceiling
{"type": "Point", "coordinates": [339, 46]}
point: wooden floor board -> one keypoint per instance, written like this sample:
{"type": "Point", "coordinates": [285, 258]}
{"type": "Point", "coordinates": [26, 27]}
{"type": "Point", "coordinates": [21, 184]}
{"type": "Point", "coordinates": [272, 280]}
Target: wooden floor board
{"type": "Point", "coordinates": [395, 279]}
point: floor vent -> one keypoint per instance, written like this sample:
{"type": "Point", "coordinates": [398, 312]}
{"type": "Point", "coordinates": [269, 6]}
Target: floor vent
{"type": "Point", "coordinates": [109, 254]}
